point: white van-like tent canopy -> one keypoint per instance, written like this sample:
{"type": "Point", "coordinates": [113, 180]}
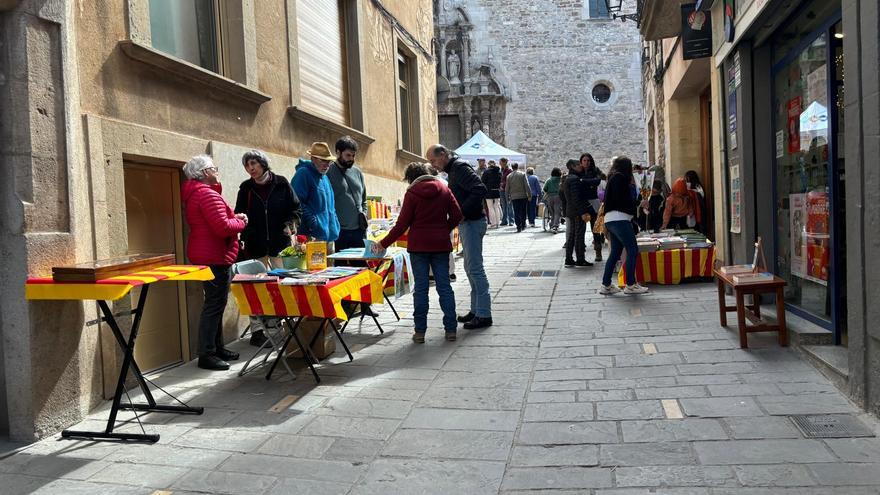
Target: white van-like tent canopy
{"type": "Point", "coordinates": [482, 146]}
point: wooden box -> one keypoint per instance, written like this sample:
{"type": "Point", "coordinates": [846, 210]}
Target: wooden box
{"type": "Point", "coordinates": [98, 270]}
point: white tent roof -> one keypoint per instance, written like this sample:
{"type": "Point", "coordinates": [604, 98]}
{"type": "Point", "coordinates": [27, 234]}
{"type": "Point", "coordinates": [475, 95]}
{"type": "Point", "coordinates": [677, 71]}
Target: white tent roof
{"type": "Point", "coordinates": [481, 146]}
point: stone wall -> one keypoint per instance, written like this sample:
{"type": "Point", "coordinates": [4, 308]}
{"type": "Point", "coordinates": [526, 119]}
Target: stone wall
{"type": "Point", "coordinates": [553, 54]}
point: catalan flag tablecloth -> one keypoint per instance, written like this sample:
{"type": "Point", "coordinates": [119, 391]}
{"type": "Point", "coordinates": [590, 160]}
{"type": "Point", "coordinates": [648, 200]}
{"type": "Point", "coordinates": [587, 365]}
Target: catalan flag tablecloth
{"type": "Point", "coordinates": [322, 301]}
{"type": "Point", "coordinates": [671, 266]}
{"type": "Point", "coordinates": [112, 288]}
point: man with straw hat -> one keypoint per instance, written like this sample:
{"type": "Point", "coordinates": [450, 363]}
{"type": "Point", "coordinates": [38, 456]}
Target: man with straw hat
{"type": "Point", "coordinates": [315, 193]}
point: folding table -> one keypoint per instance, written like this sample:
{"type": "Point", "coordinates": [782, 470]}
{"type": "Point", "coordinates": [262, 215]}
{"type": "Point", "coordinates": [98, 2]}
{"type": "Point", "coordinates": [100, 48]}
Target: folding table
{"type": "Point", "coordinates": [313, 300]}
{"type": "Point", "coordinates": [112, 289]}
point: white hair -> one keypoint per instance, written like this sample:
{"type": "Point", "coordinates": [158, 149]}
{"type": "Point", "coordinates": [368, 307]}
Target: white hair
{"type": "Point", "coordinates": [195, 167]}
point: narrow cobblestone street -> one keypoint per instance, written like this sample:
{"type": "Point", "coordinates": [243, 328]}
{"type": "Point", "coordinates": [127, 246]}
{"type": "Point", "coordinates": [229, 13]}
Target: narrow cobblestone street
{"type": "Point", "coordinates": [568, 391]}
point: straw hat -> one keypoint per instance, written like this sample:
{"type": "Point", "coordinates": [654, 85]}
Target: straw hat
{"type": "Point", "coordinates": [322, 151]}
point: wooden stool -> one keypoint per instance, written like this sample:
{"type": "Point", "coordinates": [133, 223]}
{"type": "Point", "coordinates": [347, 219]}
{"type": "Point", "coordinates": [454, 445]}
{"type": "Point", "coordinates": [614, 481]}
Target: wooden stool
{"type": "Point", "coordinates": [753, 313]}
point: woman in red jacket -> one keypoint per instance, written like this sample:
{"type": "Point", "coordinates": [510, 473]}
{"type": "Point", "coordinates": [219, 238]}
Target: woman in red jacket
{"type": "Point", "coordinates": [213, 241]}
{"type": "Point", "coordinates": [430, 212]}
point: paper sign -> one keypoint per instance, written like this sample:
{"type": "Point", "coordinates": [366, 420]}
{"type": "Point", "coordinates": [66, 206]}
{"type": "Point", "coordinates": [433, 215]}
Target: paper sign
{"type": "Point", "coordinates": [780, 144]}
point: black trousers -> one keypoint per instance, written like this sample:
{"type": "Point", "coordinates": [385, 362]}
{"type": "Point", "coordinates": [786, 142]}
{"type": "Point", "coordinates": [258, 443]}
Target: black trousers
{"type": "Point", "coordinates": [520, 209]}
{"type": "Point", "coordinates": [211, 321]}
{"type": "Point", "coordinates": [574, 238]}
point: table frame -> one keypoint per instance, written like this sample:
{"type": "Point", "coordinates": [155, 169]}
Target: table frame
{"type": "Point", "coordinates": [360, 305]}
{"type": "Point", "coordinates": [129, 362]}
{"type": "Point", "coordinates": [752, 312]}
{"type": "Point", "coordinates": [310, 359]}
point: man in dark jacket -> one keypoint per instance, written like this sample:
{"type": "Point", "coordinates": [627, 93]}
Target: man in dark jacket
{"type": "Point", "coordinates": [591, 171]}
{"type": "Point", "coordinates": [492, 179]}
{"type": "Point", "coordinates": [470, 192]}
{"type": "Point", "coordinates": [574, 193]}
{"type": "Point", "coordinates": [349, 195]}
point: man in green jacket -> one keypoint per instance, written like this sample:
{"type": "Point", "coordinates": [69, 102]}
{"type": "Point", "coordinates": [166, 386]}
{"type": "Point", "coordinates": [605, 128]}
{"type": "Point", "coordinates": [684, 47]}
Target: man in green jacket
{"type": "Point", "coordinates": [519, 193]}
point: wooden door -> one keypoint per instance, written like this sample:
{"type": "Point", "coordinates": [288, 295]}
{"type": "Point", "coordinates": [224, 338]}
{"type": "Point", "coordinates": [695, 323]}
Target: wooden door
{"type": "Point", "coordinates": [152, 207]}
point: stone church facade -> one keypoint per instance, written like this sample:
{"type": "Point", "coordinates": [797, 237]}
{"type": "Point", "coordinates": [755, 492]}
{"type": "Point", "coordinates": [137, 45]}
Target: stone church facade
{"type": "Point", "coordinates": [548, 78]}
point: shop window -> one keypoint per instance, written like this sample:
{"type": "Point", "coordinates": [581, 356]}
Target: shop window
{"type": "Point", "coordinates": [598, 9]}
{"type": "Point", "coordinates": [601, 93]}
{"type": "Point", "coordinates": [408, 101]}
{"type": "Point", "coordinates": [321, 37]}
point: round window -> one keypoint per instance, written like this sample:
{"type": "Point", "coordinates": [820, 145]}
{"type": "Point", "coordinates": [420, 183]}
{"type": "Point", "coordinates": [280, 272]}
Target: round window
{"type": "Point", "coordinates": [601, 93]}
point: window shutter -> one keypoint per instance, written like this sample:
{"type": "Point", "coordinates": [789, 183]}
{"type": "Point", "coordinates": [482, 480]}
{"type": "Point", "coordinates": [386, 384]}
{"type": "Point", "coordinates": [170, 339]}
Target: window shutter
{"type": "Point", "coordinates": [323, 85]}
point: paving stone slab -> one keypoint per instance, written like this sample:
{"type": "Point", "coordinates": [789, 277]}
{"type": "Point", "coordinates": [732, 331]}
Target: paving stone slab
{"type": "Point", "coordinates": [672, 430]}
{"type": "Point", "coordinates": [370, 408]}
{"type": "Point", "coordinates": [559, 396]}
{"type": "Point", "coordinates": [721, 407]}
{"type": "Point", "coordinates": [806, 404]}
{"type": "Point", "coordinates": [461, 419]}
{"type": "Point", "coordinates": [669, 476]}
{"type": "Point", "coordinates": [632, 409]}
{"type": "Point", "coordinates": [614, 394]}
{"type": "Point", "coordinates": [567, 352]}
{"type": "Point", "coordinates": [167, 455]}
{"type": "Point", "coordinates": [139, 475]}
{"type": "Point", "coordinates": [642, 372]}
{"type": "Point", "coordinates": [496, 352]}
{"type": "Point", "coordinates": [409, 476]}
{"type": "Point", "coordinates": [560, 411]}
{"type": "Point", "coordinates": [569, 374]}
{"type": "Point", "coordinates": [492, 399]}
{"type": "Point", "coordinates": [222, 439]}
{"type": "Point", "coordinates": [659, 359]}
{"type": "Point", "coordinates": [287, 486]}
{"type": "Point", "coordinates": [338, 426]}
{"type": "Point", "coordinates": [450, 444]}
{"type": "Point", "coordinates": [645, 454]}
{"type": "Point", "coordinates": [767, 427]}
{"type": "Point", "coordinates": [653, 491]}
{"type": "Point", "coordinates": [481, 365]}
{"type": "Point", "coordinates": [310, 469]}
{"type": "Point", "coordinates": [555, 455]}
{"type": "Point", "coordinates": [659, 381]}
{"type": "Point", "coordinates": [536, 478]}
{"type": "Point", "coordinates": [458, 379]}
{"type": "Point", "coordinates": [776, 451]}
{"type": "Point", "coordinates": [707, 379]}
{"type": "Point", "coordinates": [296, 446]}
{"type": "Point", "coordinates": [834, 474]}
{"type": "Point", "coordinates": [224, 483]}
{"type": "Point", "coordinates": [558, 386]}
{"type": "Point", "coordinates": [26, 485]}
{"type": "Point", "coordinates": [51, 466]}
{"type": "Point", "coordinates": [568, 433]}
{"type": "Point", "coordinates": [774, 475]}
{"type": "Point", "coordinates": [353, 450]}
{"type": "Point", "coordinates": [744, 389]}
{"type": "Point", "coordinates": [573, 363]}
{"type": "Point", "coordinates": [671, 392]}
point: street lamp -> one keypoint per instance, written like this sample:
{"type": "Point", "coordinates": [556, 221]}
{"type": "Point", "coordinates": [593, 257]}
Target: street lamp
{"type": "Point", "coordinates": [614, 7]}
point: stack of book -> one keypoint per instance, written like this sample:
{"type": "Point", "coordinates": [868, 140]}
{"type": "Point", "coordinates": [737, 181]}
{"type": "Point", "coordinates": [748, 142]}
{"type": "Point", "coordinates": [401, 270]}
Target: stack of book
{"type": "Point", "coordinates": [647, 245]}
{"type": "Point", "coordinates": [672, 243]}
{"type": "Point", "coordinates": [254, 278]}
{"type": "Point", "coordinates": [752, 278]}
{"type": "Point", "coordinates": [736, 269]}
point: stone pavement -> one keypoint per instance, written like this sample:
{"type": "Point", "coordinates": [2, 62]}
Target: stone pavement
{"type": "Point", "coordinates": [569, 392]}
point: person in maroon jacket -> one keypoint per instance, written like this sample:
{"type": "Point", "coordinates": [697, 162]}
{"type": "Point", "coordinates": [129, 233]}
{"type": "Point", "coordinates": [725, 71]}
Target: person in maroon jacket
{"type": "Point", "coordinates": [430, 213]}
{"type": "Point", "coordinates": [213, 241]}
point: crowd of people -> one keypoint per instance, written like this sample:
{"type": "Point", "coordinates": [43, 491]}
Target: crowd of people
{"type": "Point", "coordinates": [326, 200]}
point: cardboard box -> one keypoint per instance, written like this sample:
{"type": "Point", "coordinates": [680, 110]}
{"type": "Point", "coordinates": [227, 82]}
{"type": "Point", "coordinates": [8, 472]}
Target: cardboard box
{"type": "Point", "coordinates": [324, 346]}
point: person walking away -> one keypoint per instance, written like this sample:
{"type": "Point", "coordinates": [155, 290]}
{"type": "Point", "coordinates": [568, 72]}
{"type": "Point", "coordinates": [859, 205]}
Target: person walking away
{"type": "Point", "coordinates": [519, 193]}
{"type": "Point", "coordinates": [678, 206]}
{"type": "Point", "coordinates": [481, 167]}
{"type": "Point", "coordinates": [212, 241]}
{"type": "Point", "coordinates": [592, 172]}
{"type": "Point", "coordinates": [552, 200]}
{"type": "Point", "coordinates": [620, 207]}
{"type": "Point", "coordinates": [575, 190]}
{"type": "Point", "coordinates": [535, 186]}
{"type": "Point", "coordinates": [492, 180]}
{"type": "Point", "coordinates": [430, 212]}
{"type": "Point", "coordinates": [506, 209]}
{"type": "Point", "coordinates": [698, 197]}
{"type": "Point", "coordinates": [470, 192]}
{"type": "Point", "coordinates": [273, 211]}
{"type": "Point", "coordinates": [310, 183]}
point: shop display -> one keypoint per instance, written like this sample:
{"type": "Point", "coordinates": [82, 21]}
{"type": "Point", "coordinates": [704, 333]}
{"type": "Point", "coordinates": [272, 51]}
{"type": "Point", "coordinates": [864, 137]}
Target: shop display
{"type": "Point", "coordinates": [316, 255]}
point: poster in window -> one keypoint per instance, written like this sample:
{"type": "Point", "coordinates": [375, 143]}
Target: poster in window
{"type": "Point", "coordinates": [798, 233]}
{"type": "Point", "coordinates": [817, 237]}
{"type": "Point", "coordinates": [735, 199]}
{"type": "Point", "coordinates": [731, 119]}
{"type": "Point", "coordinates": [794, 118]}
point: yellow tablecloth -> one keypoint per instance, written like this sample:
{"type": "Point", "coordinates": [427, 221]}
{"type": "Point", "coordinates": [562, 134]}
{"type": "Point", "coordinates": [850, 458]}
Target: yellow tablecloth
{"type": "Point", "coordinates": [672, 265]}
{"type": "Point", "coordinates": [113, 288]}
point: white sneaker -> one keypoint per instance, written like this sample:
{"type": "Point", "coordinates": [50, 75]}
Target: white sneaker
{"type": "Point", "coordinates": [635, 289]}
{"type": "Point", "coordinates": [607, 290]}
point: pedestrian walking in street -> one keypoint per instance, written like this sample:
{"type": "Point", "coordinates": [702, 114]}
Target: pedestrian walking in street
{"type": "Point", "coordinates": [575, 198]}
{"type": "Point", "coordinates": [679, 206]}
{"type": "Point", "coordinates": [519, 193]}
{"type": "Point", "coordinates": [592, 172]}
{"type": "Point", "coordinates": [492, 180]}
{"type": "Point", "coordinates": [430, 213]}
{"type": "Point", "coordinates": [481, 167]}
{"type": "Point", "coordinates": [470, 192]}
{"type": "Point", "coordinates": [535, 187]}
{"type": "Point", "coordinates": [273, 211]}
{"type": "Point", "coordinates": [620, 208]}
{"type": "Point", "coordinates": [506, 209]}
{"type": "Point", "coordinates": [315, 193]}
{"type": "Point", "coordinates": [212, 241]}
{"type": "Point", "coordinates": [551, 198]}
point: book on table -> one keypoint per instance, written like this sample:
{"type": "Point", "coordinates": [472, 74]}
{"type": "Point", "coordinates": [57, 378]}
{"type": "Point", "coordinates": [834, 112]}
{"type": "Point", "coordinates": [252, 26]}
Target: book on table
{"type": "Point", "coordinates": [310, 280]}
{"type": "Point", "coordinates": [752, 278]}
{"type": "Point", "coordinates": [254, 278]}
{"type": "Point", "coordinates": [736, 269]}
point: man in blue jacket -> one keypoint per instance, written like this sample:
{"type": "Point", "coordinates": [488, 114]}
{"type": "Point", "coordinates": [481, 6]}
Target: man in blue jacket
{"type": "Point", "coordinates": [315, 193]}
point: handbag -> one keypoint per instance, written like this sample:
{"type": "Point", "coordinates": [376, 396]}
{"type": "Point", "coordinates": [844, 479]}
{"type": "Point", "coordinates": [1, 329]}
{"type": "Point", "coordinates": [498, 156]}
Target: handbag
{"type": "Point", "coordinates": [599, 224]}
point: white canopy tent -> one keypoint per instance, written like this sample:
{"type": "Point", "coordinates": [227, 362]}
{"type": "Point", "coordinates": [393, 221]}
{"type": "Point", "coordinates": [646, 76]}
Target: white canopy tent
{"type": "Point", "coordinates": [482, 146]}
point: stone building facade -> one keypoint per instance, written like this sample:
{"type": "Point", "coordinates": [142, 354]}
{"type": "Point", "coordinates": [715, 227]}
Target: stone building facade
{"type": "Point", "coordinates": [103, 101]}
{"type": "Point", "coordinates": [525, 71]}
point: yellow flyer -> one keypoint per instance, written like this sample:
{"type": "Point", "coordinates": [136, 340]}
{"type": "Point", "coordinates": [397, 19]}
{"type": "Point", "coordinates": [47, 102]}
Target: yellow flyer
{"type": "Point", "coordinates": [316, 255]}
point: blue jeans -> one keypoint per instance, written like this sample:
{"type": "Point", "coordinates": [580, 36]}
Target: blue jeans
{"type": "Point", "coordinates": [506, 214]}
{"type": "Point", "coordinates": [439, 264]}
{"type": "Point", "coordinates": [622, 237]}
{"type": "Point", "coordinates": [471, 233]}
{"type": "Point", "coordinates": [533, 209]}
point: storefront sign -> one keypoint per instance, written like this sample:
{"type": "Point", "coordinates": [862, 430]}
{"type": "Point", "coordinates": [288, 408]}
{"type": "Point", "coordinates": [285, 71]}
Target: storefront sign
{"type": "Point", "coordinates": [780, 144]}
{"type": "Point", "coordinates": [797, 228]}
{"type": "Point", "coordinates": [737, 71]}
{"type": "Point", "coordinates": [794, 119]}
{"type": "Point", "coordinates": [735, 196]}
{"type": "Point", "coordinates": [731, 120]}
{"type": "Point", "coordinates": [696, 33]}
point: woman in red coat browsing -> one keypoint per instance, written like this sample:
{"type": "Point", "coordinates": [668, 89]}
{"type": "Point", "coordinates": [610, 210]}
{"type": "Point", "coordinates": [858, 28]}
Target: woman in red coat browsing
{"type": "Point", "coordinates": [213, 241]}
{"type": "Point", "coordinates": [430, 212]}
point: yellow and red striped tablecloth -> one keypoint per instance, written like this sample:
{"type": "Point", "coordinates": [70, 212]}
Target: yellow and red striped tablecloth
{"type": "Point", "coordinates": [672, 265]}
{"type": "Point", "coordinates": [322, 301]}
{"type": "Point", "coordinates": [113, 288]}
